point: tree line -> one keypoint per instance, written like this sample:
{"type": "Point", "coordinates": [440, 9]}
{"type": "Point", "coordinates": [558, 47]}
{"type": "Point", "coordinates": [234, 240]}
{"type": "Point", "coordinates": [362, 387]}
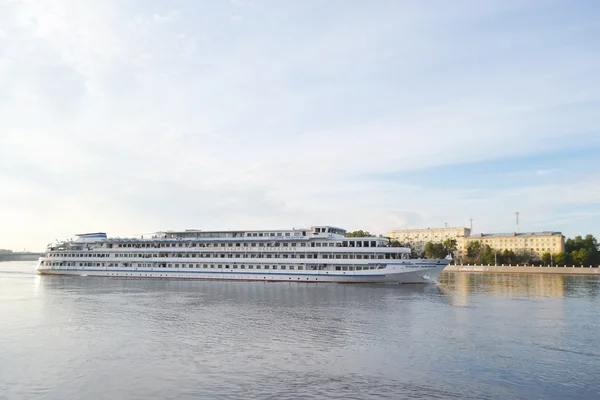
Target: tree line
{"type": "Point", "coordinates": [578, 251]}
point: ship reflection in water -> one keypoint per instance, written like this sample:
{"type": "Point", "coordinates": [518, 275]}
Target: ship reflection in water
{"type": "Point", "coordinates": [473, 336]}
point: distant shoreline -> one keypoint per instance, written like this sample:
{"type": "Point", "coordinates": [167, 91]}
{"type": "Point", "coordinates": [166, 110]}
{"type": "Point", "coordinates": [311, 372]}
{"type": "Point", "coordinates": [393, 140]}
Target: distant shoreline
{"type": "Point", "coordinates": [19, 256]}
{"type": "Point", "coordinates": [569, 270]}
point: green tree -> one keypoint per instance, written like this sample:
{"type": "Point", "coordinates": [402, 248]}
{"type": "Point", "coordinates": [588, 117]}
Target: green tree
{"type": "Point", "coordinates": [582, 256]}
{"type": "Point", "coordinates": [474, 250]}
{"type": "Point", "coordinates": [546, 259]}
{"type": "Point", "coordinates": [508, 257]}
{"type": "Point", "coordinates": [397, 243]}
{"type": "Point", "coordinates": [524, 257]}
{"type": "Point", "coordinates": [416, 254]}
{"type": "Point", "coordinates": [583, 250]}
{"type": "Point", "coordinates": [435, 250]}
{"type": "Point", "coordinates": [562, 259]}
{"type": "Point", "coordinates": [450, 245]}
{"type": "Point", "coordinates": [488, 256]}
{"type": "Point", "coordinates": [359, 233]}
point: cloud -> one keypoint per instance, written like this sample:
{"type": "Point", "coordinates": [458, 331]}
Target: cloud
{"type": "Point", "coordinates": [137, 118]}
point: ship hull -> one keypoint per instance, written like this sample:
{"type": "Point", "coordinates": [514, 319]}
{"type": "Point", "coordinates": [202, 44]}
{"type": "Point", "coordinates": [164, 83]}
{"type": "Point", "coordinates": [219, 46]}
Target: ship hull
{"type": "Point", "coordinates": [389, 274]}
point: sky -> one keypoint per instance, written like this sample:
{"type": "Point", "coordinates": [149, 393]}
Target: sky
{"type": "Point", "coordinates": [130, 117]}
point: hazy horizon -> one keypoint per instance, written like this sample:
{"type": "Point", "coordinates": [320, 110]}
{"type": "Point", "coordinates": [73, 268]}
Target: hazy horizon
{"type": "Point", "coordinates": [135, 117]}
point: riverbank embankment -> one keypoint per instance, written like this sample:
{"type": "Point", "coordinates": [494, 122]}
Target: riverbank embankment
{"type": "Point", "coordinates": [503, 269]}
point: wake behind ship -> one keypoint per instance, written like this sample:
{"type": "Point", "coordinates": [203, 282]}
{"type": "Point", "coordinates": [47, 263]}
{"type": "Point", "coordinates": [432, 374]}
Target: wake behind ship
{"type": "Point", "coordinates": [316, 254]}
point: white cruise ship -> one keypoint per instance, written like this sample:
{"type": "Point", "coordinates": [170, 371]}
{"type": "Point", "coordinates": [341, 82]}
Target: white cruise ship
{"type": "Point", "coordinates": [317, 254]}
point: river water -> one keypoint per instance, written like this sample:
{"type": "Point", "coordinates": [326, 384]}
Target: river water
{"type": "Point", "coordinates": [473, 336]}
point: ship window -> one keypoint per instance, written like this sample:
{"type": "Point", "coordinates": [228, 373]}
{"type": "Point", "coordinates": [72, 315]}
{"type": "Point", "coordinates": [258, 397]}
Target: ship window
{"type": "Point", "coordinates": [293, 244]}
{"type": "Point", "coordinates": [260, 234]}
{"type": "Point", "coordinates": [373, 243]}
{"type": "Point", "coordinates": [358, 268]}
{"type": "Point", "coordinates": [287, 234]}
{"type": "Point", "coordinates": [220, 266]}
{"type": "Point", "coordinates": [300, 267]}
{"type": "Point", "coordinates": [302, 244]}
{"type": "Point", "coordinates": [271, 234]}
{"type": "Point", "coordinates": [351, 268]}
{"type": "Point", "coordinates": [258, 267]}
{"type": "Point", "coordinates": [268, 256]}
{"type": "Point", "coordinates": [274, 266]}
{"type": "Point", "coordinates": [324, 256]}
{"type": "Point", "coordinates": [302, 256]}
{"type": "Point", "coordinates": [212, 265]}
{"type": "Point", "coordinates": [358, 256]}
{"type": "Point", "coordinates": [318, 244]}
{"type": "Point", "coordinates": [266, 267]}
{"type": "Point", "coordinates": [253, 244]}
{"type": "Point", "coordinates": [242, 266]}
{"type": "Point", "coordinates": [291, 267]}
{"type": "Point", "coordinates": [344, 268]}
{"type": "Point", "coordinates": [338, 268]}
{"type": "Point", "coordinates": [278, 233]}
{"type": "Point", "coordinates": [235, 267]}
{"type": "Point", "coordinates": [284, 244]}
{"type": "Point", "coordinates": [237, 244]}
{"type": "Point", "coordinates": [227, 266]}
{"type": "Point", "coordinates": [282, 267]}
{"type": "Point", "coordinates": [250, 266]}
{"type": "Point", "coordinates": [285, 256]}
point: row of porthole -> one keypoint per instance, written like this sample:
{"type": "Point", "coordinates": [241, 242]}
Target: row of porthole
{"type": "Point", "coordinates": [182, 276]}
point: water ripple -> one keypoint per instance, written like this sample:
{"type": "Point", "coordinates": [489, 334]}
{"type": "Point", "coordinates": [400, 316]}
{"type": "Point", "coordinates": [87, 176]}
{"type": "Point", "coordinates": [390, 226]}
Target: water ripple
{"type": "Point", "coordinates": [102, 338]}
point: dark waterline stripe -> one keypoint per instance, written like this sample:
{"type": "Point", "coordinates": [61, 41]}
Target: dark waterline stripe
{"type": "Point", "coordinates": [208, 272]}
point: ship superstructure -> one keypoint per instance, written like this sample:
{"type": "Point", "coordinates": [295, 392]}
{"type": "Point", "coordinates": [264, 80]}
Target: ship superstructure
{"type": "Point", "coordinates": [316, 254]}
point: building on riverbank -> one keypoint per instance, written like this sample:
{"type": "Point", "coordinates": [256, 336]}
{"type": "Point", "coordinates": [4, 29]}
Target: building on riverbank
{"type": "Point", "coordinates": [418, 238]}
{"type": "Point", "coordinates": [535, 243]}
